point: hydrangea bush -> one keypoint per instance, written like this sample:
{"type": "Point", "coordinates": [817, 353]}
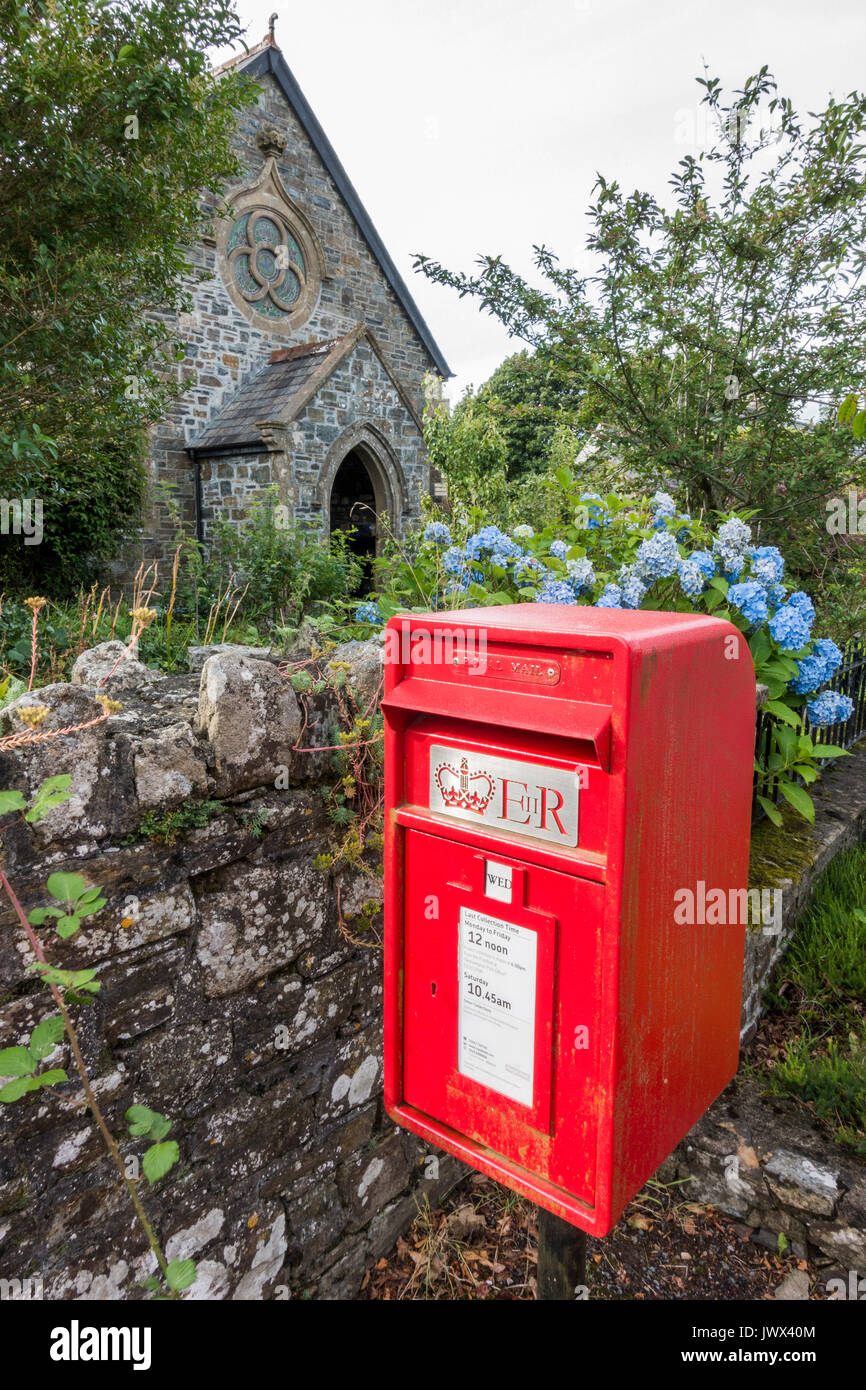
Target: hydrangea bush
{"type": "Point", "coordinates": [619, 553]}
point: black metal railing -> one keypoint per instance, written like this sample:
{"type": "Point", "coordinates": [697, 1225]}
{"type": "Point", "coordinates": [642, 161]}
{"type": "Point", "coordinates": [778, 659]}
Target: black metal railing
{"type": "Point", "coordinates": [849, 680]}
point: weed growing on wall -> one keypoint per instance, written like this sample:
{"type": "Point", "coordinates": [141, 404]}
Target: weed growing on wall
{"type": "Point", "coordinates": [71, 901]}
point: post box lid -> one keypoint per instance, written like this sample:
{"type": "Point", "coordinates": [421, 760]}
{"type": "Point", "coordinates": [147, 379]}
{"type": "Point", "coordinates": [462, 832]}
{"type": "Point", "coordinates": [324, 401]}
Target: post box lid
{"type": "Point", "coordinates": [425, 686]}
{"type": "Point", "coordinates": [566, 623]}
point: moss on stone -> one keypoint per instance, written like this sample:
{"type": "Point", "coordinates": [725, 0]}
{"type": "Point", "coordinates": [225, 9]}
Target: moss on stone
{"type": "Point", "coordinates": [780, 851]}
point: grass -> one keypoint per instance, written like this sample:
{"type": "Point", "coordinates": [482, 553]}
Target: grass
{"type": "Point", "coordinates": [821, 988]}
{"type": "Point", "coordinates": [66, 628]}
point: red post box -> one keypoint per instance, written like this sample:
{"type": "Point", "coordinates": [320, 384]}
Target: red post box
{"type": "Point", "coordinates": [561, 784]}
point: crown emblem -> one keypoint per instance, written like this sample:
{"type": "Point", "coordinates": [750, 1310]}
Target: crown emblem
{"type": "Point", "coordinates": [460, 788]}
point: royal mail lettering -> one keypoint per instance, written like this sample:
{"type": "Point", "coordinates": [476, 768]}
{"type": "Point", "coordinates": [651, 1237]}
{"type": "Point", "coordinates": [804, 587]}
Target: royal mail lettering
{"type": "Point", "coordinates": [505, 794]}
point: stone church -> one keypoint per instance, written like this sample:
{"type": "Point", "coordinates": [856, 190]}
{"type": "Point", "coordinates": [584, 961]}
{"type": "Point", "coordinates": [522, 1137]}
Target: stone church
{"type": "Point", "coordinates": [305, 353]}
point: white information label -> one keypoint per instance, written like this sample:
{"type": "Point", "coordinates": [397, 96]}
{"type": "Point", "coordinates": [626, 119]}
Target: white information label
{"type": "Point", "coordinates": [496, 968]}
{"type": "Point", "coordinates": [498, 879]}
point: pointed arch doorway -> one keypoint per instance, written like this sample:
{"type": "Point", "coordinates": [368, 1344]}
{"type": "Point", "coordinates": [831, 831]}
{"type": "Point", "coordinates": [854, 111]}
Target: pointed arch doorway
{"type": "Point", "coordinates": [361, 482]}
{"type": "Point", "coordinates": [353, 508]}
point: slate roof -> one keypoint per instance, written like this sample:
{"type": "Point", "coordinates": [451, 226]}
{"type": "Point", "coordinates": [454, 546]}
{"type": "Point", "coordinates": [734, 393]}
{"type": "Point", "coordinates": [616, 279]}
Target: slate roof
{"type": "Point", "coordinates": [264, 396]}
{"type": "Point", "coordinates": [267, 58]}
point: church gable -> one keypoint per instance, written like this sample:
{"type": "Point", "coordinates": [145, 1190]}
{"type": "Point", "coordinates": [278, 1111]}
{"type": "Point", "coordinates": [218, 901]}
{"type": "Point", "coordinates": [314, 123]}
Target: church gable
{"type": "Point", "coordinates": [295, 264]}
{"type": "Point", "coordinates": [361, 408]}
{"type": "Point", "coordinates": [269, 60]}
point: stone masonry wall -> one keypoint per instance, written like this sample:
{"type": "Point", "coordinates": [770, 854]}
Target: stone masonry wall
{"type": "Point", "coordinates": [360, 390]}
{"type": "Point", "coordinates": [229, 483]}
{"type": "Point", "coordinates": [232, 1001]}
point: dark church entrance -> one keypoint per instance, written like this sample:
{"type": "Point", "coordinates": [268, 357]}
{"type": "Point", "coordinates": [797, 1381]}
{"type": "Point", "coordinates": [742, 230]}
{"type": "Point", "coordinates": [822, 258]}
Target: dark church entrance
{"type": "Point", "coordinates": [353, 509]}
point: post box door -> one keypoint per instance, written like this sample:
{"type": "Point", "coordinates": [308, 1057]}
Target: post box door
{"type": "Point", "coordinates": [502, 1004]}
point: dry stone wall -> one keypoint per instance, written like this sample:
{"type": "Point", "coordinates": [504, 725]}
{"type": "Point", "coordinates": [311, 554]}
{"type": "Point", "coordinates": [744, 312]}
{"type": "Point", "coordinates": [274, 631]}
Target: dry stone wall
{"type": "Point", "coordinates": [231, 999]}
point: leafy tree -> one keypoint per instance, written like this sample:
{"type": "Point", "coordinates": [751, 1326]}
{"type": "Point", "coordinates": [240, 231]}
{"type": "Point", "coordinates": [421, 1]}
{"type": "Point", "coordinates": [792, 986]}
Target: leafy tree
{"type": "Point", "coordinates": [467, 448]}
{"type": "Point", "coordinates": [530, 396]}
{"type": "Point", "coordinates": [113, 131]}
{"type": "Point", "coordinates": [716, 337]}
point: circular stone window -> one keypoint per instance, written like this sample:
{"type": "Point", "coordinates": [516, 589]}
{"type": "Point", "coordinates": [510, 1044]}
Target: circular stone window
{"type": "Point", "coordinates": [266, 263]}
{"type": "Point", "coordinates": [269, 256]}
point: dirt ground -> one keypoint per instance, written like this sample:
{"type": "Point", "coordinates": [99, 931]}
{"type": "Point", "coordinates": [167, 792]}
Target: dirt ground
{"type": "Point", "coordinates": [481, 1243]}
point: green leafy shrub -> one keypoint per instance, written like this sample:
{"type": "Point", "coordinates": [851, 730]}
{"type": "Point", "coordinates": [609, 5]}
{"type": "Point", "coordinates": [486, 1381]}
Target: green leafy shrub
{"type": "Point", "coordinates": [617, 552]}
{"type": "Point", "coordinates": [278, 566]}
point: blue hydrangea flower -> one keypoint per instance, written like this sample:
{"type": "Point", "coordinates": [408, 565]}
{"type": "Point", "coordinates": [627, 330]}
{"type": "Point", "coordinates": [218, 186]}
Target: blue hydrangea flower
{"type": "Point", "coordinates": [789, 627]}
{"type": "Point", "coordinates": [704, 561]}
{"type": "Point", "coordinates": [581, 574]}
{"type": "Point", "coordinates": [657, 558]}
{"type": "Point", "coordinates": [484, 540]}
{"type": "Point", "coordinates": [505, 550]}
{"type": "Point", "coordinates": [692, 578]}
{"type": "Point", "coordinates": [776, 594]}
{"type": "Point", "coordinates": [633, 592]}
{"type": "Point", "coordinates": [368, 613]}
{"type": "Point", "coordinates": [453, 561]}
{"type": "Point", "coordinates": [558, 550]}
{"type": "Point", "coordinates": [804, 603]}
{"type": "Point", "coordinates": [810, 675]}
{"type": "Point", "coordinates": [830, 707]}
{"type": "Point", "coordinates": [767, 564]}
{"type": "Point", "coordinates": [556, 591]}
{"type": "Point", "coordinates": [594, 506]}
{"type": "Point", "coordinates": [751, 600]}
{"type": "Point", "coordinates": [528, 570]}
{"type": "Point", "coordinates": [663, 503]}
{"type": "Point", "coordinates": [732, 565]}
{"type": "Point", "coordinates": [818, 667]}
{"type": "Point", "coordinates": [611, 597]}
{"type": "Point", "coordinates": [437, 533]}
{"type": "Point", "coordinates": [459, 585]}
{"type": "Point", "coordinates": [664, 510]}
{"type": "Point", "coordinates": [730, 545]}
{"type": "Point", "coordinates": [523, 533]}
{"type": "Point", "coordinates": [733, 534]}
{"type": "Point", "coordinates": [829, 654]}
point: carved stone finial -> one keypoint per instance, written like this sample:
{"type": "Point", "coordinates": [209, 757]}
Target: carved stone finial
{"type": "Point", "coordinates": [271, 142]}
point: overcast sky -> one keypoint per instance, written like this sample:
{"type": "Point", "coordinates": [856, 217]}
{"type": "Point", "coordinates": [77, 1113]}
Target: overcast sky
{"type": "Point", "coordinates": [477, 126]}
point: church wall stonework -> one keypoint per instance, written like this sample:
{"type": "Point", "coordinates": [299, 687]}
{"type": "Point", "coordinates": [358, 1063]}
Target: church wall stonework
{"type": "Point", "coordinates": [358, 405]}
{"type": "Point", "coordinates": [224, 349]}
{"type": "Point", "coordinates": [359, 390]}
